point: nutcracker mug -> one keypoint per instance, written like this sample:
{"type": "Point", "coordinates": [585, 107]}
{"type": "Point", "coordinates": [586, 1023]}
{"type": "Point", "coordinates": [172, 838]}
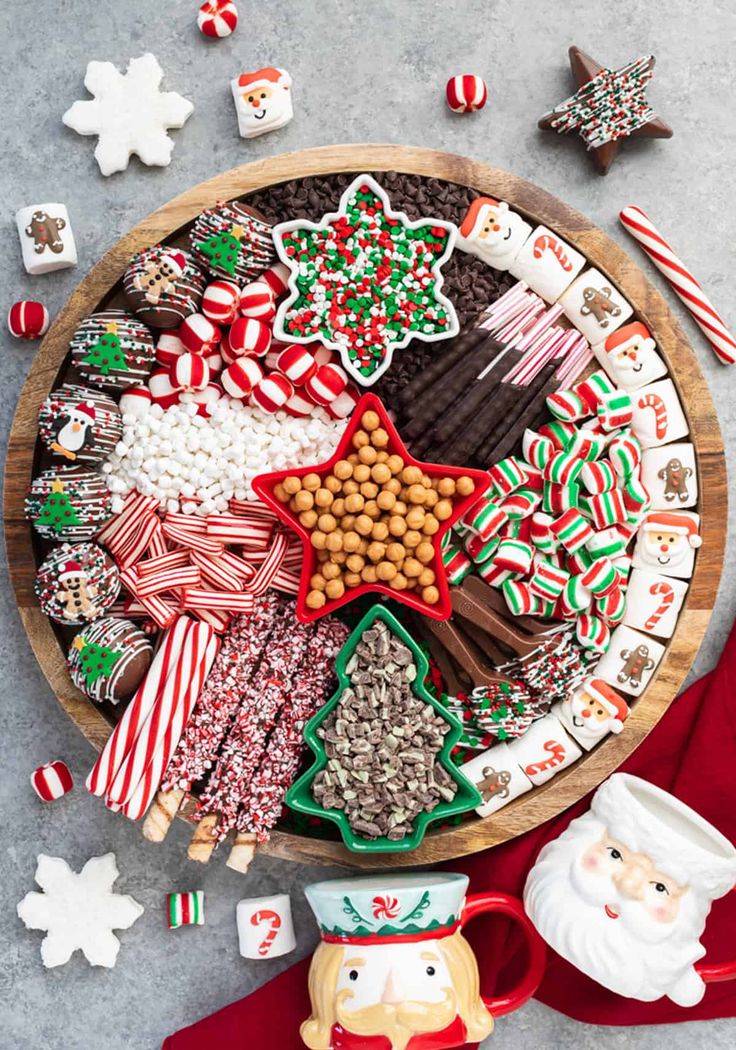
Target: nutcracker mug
{"type": "Point", "coordinates": [394, 972]}
{"type": "Point", "coordinates": [624, 892]}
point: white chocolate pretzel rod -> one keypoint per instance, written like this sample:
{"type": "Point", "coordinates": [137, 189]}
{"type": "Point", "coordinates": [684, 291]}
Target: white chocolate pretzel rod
{"type": "Point", "coordinates": [682, 281]}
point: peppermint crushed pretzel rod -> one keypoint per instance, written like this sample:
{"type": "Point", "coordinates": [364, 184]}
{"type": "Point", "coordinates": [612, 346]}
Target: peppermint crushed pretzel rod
{"type": "Point", "coordinates": [261, 709]}
{"type": "Point", "coordinates": [314, 682]}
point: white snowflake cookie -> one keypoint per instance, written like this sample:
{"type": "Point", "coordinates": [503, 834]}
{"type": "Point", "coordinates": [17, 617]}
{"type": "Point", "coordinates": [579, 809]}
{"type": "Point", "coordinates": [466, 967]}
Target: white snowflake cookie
{"type": "Point", "coordinates": [78, 911]}
{"type": "Point", "coordinates": [129, 113]}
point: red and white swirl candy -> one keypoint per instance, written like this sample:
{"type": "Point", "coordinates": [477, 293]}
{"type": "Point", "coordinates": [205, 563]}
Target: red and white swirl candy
{"type": "Point", "coordinates": [258, 300]}
{"type": "Point", "coordinates": [465, 94]}
{"type": "Point", "coordinates": [239, 378]}
{"type": "Point", "coordinates": [220, 302]}
{"type": "Point", "coordinates": [297, 364]}
{"type": "Point", "coordinates": [199, 334]}
{"type": "Point", "coordinates": [277, 278]}
{"type": "Point", "coordinates": [52, 781]}
{"type": "Point", "coordinates": [191, 372]}
{"type": "Point", "coordinates": [217, 18]}
{"type": "Point", "coordinates": [250, 337]}
{"type": "Point", "coordinates": [271, 393]}
{"type": "Point", "coordinates": [28, 320]}
{"type": "Point", "coordinates": [327, 383]}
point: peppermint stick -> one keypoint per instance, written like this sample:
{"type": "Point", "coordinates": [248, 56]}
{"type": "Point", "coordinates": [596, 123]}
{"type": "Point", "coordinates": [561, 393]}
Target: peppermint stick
{"type": "Point", "coordinates": [681, 280]}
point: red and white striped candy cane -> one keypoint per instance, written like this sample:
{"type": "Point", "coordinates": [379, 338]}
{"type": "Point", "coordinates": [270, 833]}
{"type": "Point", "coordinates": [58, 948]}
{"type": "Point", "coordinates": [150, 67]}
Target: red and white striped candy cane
{"type": "Point", "coordinates": [668, 597]}
{"type": "Point", "coordinates": [655, 402]}
{"type": "Point", "coordinates": [549, 243]}
{"type": "Point", "coordinates": [682, 281]}
{"type": "Point", "coordinates": [274, 923]}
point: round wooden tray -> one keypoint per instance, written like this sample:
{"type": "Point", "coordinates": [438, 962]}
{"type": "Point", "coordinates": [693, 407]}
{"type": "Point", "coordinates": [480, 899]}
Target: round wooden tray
{"type": "Point", "coordinates": [539, 207]}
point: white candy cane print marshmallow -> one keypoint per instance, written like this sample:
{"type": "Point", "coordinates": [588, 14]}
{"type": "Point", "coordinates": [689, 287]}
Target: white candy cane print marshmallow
{"type": "Point", "coordinates": [544, 750]}
{"type": "Point", "coordinates": [658, 417]}
{"type": "Point", "coordinates": [653, 602]}
{"type": "Point", "coordinates": [547, 264]}
{"type": "Point", "coordinates": [265, 927]}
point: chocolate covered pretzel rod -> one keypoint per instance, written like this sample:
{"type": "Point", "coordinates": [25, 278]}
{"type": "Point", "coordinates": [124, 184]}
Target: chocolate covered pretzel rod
{"type": "Point", "coordinates": [440, 367]}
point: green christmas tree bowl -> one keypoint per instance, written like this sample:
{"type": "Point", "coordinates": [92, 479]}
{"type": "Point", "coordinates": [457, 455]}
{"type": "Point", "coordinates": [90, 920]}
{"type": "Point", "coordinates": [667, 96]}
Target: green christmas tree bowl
{"type": "Point", "coordinates": [299, 796]}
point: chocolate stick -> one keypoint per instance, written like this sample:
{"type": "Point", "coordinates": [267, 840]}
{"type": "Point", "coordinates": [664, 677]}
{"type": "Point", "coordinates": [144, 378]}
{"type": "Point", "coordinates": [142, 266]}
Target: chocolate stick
{"type": "Point", "coordinates": [455, 351]}
{"type": "Point", "coordinates": [540, 388]}
{"type": "Point", "coordinates": [484, 428]}
{"type": "Point", "coordinates": [438, 398]}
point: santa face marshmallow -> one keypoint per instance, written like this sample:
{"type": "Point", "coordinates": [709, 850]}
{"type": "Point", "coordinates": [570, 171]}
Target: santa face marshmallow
{"type": "Point", "coordinates": [666, 543]}
{"type": "Point", "coordinates": [262, 101]}
{"type": "Point", "coordinates": [630, 356]}
{"type": "Point", "coordinates": [493, 232]}
{"type": "Point", "coordinates": [623, 893]}
{"type": "Point", "coordinates": [592, 711]}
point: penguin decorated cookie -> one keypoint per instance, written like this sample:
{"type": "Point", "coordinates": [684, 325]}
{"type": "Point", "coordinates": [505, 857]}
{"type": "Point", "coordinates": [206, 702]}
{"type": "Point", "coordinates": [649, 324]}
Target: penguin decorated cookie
{"type": "Point", "coordinates": [68, 503]}
{"type": "Point", "coordinates": [163, 285]}
{"type": "Point", "coordinates": [76, 583]}
{"type": "Point", "coordinates": [109, 659]}
{"type": "Point", "coordinates": [113, 350]}
{"type": "Point", "coordinates": [80, 424]}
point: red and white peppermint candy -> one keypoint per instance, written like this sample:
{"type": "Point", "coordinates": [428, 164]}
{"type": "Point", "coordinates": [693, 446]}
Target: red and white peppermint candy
{"type": "Point", "coordinates": [28, 319]}
{"type": "Point", "coordinates": [257, 300]}
{"type": "Point", "coordinates": [344, 403]}
{"type": "Point", "coordinates": [271, 393]}
{"type": "Point", "coordinates": [465, 94]}
{"type": "Point", "coordinates": [296, 363]}
{"type": "Point", "coordinates": [168, 348]}
{"type": "Point", "coordinates": [299, 405]}
{"type": "Point", "coordinates": [135, 401]}
{"type": "Point", "coordinates": [277, 278]}
{"type": "Point", "coordinates": [327, 383]}
{"type": "Point", "coordinates": [206, 399]}
{"type": "Point", "coordinates": [52, 781]}
{"type": "Point", "coordinates": [191, 372]}
{"type": "Point", "coordinates": [199, 334]}
{"type": "Point", "coordinates": [220, 301]}
{"type": "Point", "coordinates": [163, 391]}
{"type": "Point", "coordinates": [225, 352]}
{"type": "Point", "coordinates": [217, 18]}
{"type": "Point", "coordinates": [249, 336]}
{"type": "Point", "coordinates": [241, 376]}
{"type": "Point", "coordinates": [214, 359]}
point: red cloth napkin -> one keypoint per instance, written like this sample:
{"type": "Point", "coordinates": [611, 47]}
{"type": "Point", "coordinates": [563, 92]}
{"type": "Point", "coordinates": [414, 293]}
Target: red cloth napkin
{"type": "Point", "coordinates": [692, 753]}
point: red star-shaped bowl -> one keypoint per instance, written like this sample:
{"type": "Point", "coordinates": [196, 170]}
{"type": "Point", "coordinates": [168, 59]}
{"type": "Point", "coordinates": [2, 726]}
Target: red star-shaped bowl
{"type": "Point", "coordinates": [265, 484]}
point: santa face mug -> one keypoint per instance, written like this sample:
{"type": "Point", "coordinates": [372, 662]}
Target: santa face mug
{"type": "Point", "coordinates": [624, 892]}
{"type": "Point", "coordinates": [394, 972]}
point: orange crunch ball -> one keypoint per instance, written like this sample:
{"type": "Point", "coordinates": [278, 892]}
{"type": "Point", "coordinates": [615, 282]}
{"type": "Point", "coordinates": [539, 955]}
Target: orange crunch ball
{"type": "Point", "coordinates": [371, 519]}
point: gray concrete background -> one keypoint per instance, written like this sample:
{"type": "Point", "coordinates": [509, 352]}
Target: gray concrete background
{"type": "Point", "coordinates": [362, 72]}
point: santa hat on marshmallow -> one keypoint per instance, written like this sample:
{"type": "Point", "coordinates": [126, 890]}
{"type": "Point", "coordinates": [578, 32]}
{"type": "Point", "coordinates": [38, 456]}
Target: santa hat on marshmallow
{"type": "Point", "coordinates": [609, 699]}
{"type": "Point", "coordinates": [475, 216]}
{"type": "Point", "coordinates": [176, 261]}
{"type": "Point", "coordinates": [85, 408]}
{"type": "Point", "coordinates": [267, 77]}
{"type": "Point", "coordinates": [72, 570]}
{"type": "Point", "coordinates": [681, 524]}
{"type": "Point", "coordinates": [636, 332]}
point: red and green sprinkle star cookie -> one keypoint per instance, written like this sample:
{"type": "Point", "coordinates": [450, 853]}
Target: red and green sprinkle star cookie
{"type": "Point", "coordinates": [365, 281]}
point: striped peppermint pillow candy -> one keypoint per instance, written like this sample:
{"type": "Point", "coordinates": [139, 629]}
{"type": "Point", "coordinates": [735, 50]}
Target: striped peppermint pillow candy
{"type": "Point", "coordinates": [28, 320]}
{"type": "Point", "coordinates": [52, 781]}
{"type": "Point", "coordinates": [217, 18]}
{"type": "Point", "coordinates": [220, 301]}
{"type": "Point", "coordinates": [467, 93]}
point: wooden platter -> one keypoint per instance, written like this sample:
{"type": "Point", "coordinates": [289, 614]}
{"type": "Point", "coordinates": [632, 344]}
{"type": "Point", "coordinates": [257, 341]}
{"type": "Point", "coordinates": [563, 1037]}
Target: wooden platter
{"type": "Point", "coordinates": [99, 287]}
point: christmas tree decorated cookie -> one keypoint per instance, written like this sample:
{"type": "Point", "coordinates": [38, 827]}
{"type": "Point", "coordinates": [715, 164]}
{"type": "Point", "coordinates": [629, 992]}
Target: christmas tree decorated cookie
{"type": "Point", "coordinates": [113, 350]}
{"type": "Point", "coordinates": [232, 241]}
{"type": "Point", "coordinates": [108, 659]}
{"type": "Point", "coordinates": [68, 503]}
{"type": "Point", "coordinates": [80, 424]}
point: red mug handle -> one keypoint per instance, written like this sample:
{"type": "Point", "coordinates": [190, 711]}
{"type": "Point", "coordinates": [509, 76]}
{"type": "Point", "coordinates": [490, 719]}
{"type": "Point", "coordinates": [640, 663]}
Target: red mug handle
{"type": "Point", "coordinates": [712, 973]}
{"type": "Point", "coordinates": [479, 904]}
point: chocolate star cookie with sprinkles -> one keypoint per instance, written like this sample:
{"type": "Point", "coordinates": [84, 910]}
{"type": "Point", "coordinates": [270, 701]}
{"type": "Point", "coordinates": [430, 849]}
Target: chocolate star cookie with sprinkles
{"type": "Point", "coordinates": [610, 105]}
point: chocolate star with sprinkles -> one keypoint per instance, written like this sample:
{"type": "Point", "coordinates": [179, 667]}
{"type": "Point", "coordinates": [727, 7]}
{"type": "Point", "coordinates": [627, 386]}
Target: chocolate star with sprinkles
{"type": "Point", "coordinates": [609, 106]}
